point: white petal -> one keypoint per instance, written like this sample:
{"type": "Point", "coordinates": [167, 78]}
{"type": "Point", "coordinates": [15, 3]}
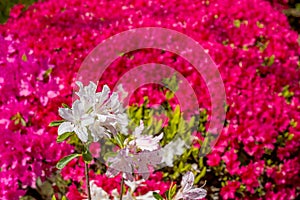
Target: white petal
{"type": "Point", "coordinates": [195, 193]}
{"type": "Point", "coordinates": [86, 121]}
{"type": "Point", "coordinates": [81, 132]}
{"type": "Point", "coordinates": [102, 96]}
{"type": "Point", "coordinates": [138, 130]}
{"type": "Point", "coordinates": [66, 114]}
{"type": "Point", "coordinates": [147, 196]}
{"type": "Point", "coordinates": [65, 127]}
{"type": "Point", "coordinates": [102, 118]}
{"type": "Point", "coordinates": [91, 88]}
{"type": "Point", "coordinates": [187, 181]}
{"type": "Point", "coordinates": [77, 108]}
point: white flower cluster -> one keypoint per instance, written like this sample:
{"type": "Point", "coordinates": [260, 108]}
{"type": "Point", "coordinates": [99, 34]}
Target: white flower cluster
{"type": "Point", "coordinates": [139, 151]}
{"type": "Point", "coordinates": [98, 193]}
{"type": "Point", "coordinates": [186, 192]}
{"type": "Point", "coordinates": [94, 115]}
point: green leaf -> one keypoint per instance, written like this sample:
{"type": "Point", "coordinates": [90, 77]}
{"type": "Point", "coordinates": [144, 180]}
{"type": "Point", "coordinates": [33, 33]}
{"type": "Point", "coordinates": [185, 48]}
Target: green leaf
{"type": "Point", "coordinates": [56, 123]}
{"type": "Point", "coordinates": [119, 138]}
{"type": "Point", "coordinates": [64, 161]}
{"type": "Point", "coordinates": [237, 23]}
{"type": "Point", "coordinates": [65, 105]}
{"type": "Point", "coordinates": [172, 191]}
{"type": "Point", "coordinates": [47, 73]}
{"type": "Point", "coordinates": [157, 196]}
{"type": "Point", "coordinates": [167, 194]}
{"type": "Point", "coordinates": [201, 175]}
{"type": "Point", "coordinates": [24, 58]}
{"type": "Point", "coordinates": [64, 198]}
{"type": "Point", "coordinates": [53, 197]}
{"type": "Point", "coordinates": [63, 137]}
{"type": "Point", "coordinates": [290, 136]}
{"type": "Point", "coordinates": [271, 60]}
{"type": "Point", "coordinates": [87, 156]}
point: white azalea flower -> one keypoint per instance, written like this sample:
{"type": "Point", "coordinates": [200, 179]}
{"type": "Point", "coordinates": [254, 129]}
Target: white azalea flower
{"type": "Point", "coordinates": [147, 196]}
{"type": "Point", "coordinates": [110, 112]}
{"type": "Point", "coordinates": [134, 184]}
{"type": "Point", "coordinates": [143, 160]}
{"type": "Point", "coordinates": [187, 191]}
{"type": "Point", "coordinates": [87, 95]}
{"type": "Point", "coordinates": [130, 164]}
{"type": "Point", "coordinates": [98, 193]}
{"type": "Point", "coordinates": [129, 195]}
{"type": "Point", "coordinates": [145, 142]}
{"type": "Point", "coordinates": [94, 115]}
{"type": "Point", "coordinates": [172, 149]}
{"type": "Point", "coordinates": [76, 120]}
{"type": "Point", "coordinates": [120, 163]}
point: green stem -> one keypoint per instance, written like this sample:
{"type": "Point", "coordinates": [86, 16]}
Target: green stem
{"type": "Point", "coordinates": [87, 178]}
{"type": "Point", "coordinates": [122, 186]}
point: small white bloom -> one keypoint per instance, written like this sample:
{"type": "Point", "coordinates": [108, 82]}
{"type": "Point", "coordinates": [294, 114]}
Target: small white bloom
{"type": "Point", "coordinates": [145, 142]}
{"type": "Point", "coordinates": [143, 160]}
{"type": "Point", "coordinates": [133, 184]}
{"type": "Point", "coordinates": [98, 193]}
{"type": "Point", "coordinates": [120, 163]}
{"type": "Point", "coordinates": [147, 196]}
{"type": "Point", "coordinates": [187, 191]}
{"type": "Point", "coordinates": [172, 149]}
{"type": "Point", "coordinates": [76, 120]}
{"type": "Point", "coordinates": [130, 164]}
{"type": "Point", "coordinates": [130, 196]}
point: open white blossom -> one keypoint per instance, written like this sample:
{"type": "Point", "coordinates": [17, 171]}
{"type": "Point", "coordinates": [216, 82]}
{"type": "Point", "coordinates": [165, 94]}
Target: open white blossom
{"type": "Point", "coordinates": [98, 193]}
{"type": "Point", "coordinates": [120, 163]}
{"type": "Point", "coordinates": [130, 164]}
{"type": "Point", "coordinates": [130, 196]}
{"type": "Point", "coordinates": [94, 115]}
{"type": "Point", "coordinates": [139, 152]}
{"type": "Point", "coordinates": [134, 184]}
{"type": "Point", "coordinates": [172, 149]}
{"type": "Point", "coordinates": [76, 120]}
{"type": "Point", "coordinates": [145, 142]}
{"type": "Point", "coordinates": [187, 191]}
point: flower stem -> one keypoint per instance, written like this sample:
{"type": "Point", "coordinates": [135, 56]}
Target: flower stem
{"type": "Point", "coordinates": [87, 178]}
{"type": "Point", "coordinates": [121, 189]}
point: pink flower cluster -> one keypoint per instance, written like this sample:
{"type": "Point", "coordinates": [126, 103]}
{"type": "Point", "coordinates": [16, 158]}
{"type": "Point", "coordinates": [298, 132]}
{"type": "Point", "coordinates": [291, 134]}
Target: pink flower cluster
{"type": "Point", "coordinates": [29, 149]}
{"type": "Point", "coordinates": [251, 42]}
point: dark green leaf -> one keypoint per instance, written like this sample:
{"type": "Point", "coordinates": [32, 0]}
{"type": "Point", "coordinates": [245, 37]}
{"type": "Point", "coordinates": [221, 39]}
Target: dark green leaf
{"type": "Point", "coordinates": [87, 156]}
{"type": "Point", "coordinates": [157, 196]}
{"type": "Point", "coordinates": [63, 137]}
{"type": "Point", "coordinates": [65, 105]}
{"type": "Point", "coordinates": [64, 161]}
{"type": "Point", "coordinates": [56, 123]}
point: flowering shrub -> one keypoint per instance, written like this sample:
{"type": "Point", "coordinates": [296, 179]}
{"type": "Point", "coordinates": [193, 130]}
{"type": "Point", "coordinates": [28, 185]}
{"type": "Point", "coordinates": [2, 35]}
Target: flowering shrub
{"type": "Point", "coordinates": [257, 154]}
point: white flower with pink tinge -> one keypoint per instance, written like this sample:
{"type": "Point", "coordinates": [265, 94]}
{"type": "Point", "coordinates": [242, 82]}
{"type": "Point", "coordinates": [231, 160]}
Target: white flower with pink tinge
{"type": "Point", "coordinates": [139, 152]}
{"type": "Point", "coordinates": [145, 142]}
{"type": "Point", "coordinates": [187, 191]}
